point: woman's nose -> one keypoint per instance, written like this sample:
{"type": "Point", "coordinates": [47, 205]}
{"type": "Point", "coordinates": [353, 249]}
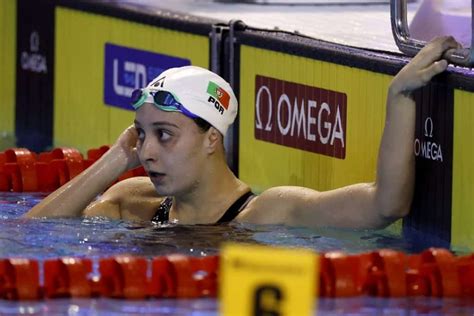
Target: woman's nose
{"type": "Point", "coordinates": [148, 150]}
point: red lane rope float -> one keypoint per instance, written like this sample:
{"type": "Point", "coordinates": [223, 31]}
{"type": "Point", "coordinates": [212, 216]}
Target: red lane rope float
{"type": "Point", "coordinates": [124, 277]}
{"type": "Point", "coordinates": [19, 279]}
{"type": "Point", "coordinates": [173, 276]}
{"type": "Point", "coordinates": [383, 273]}
{"type": "Point", "coordinates": [19, 168]}
{"type": "Point", "coordinates": [67, 277]}
{"type": "Point", "coordinates": [24, 171]}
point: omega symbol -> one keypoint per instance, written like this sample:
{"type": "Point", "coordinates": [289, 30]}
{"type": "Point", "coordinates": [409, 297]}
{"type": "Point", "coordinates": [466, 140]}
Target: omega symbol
{"type": "Point", "coordinates": [429, 127]}
{"type": "Point", "coordinates": [34, 41]}
{"type": "Point", "coordinates": [258, 123]}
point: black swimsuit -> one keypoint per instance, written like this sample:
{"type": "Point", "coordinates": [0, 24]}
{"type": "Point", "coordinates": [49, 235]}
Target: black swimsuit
{"type": "Point", "coordinates": [163, 212]}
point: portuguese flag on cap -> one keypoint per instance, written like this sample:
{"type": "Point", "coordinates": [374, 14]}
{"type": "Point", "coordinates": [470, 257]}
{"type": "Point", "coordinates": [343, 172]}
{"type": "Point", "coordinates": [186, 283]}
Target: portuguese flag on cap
{"type": "Point", "coordinates": [220, 94]}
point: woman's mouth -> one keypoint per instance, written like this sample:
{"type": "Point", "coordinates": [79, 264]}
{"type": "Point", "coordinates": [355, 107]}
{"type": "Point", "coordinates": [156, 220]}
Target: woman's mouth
{"type": "Point", "coordinates": [156, 176]}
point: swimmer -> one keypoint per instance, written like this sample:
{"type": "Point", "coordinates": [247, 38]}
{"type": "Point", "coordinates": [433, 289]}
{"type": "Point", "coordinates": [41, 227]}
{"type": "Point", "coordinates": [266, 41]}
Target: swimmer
{"type": "Point", "coordinates": [178, 136]}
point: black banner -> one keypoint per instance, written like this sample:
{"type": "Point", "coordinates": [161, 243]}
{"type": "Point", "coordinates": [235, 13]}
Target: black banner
{"type": "Point", "coordinates": [433, 147]}
{"type": "Point", "coordinates": [35, 74]}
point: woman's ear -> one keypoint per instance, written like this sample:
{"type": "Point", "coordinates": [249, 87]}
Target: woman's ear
{"type": "Point", "coordinates": [213, 140]}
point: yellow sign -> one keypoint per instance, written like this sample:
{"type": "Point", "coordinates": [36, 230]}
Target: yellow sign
{"type": "Point", "coordinates": [260, 280]}
{"type": "Point", "coordinates": [101, 124]}
{"type": "Point", "coordinates": [366, 93]}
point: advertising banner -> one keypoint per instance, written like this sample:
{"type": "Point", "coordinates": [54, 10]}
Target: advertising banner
{"type": "Point", "coordinates": [127, 69]}
{"type": "Point", "coordinates": [97, 74]}
{"type": "Point", "coordinates": [35, 74]}
{"type": "Point", "coordinates": [308, 122]}
{"type": "Point", "coordinates": [300, 116]}
{"type": "Point", "coordinates": [433, 148]}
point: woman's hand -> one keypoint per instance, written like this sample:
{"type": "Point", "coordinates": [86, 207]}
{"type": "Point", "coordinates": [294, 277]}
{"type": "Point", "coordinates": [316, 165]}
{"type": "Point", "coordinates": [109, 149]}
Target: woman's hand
{"type": "Point", "coordinates": [424, 66]}
{"type": "Point", "coordinates": [126, 145]}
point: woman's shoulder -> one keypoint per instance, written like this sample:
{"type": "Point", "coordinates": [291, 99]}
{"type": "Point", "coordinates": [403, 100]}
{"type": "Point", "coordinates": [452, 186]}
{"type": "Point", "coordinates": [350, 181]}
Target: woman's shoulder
{"type": "Point", "coordinates": [136, 197]}
{"type": "Point", "coordinates": [137, 185]}
{"type": "Point", "coordinates": [275, 205]}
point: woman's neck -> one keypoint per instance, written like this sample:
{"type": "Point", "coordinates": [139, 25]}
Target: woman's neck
{"type": "Point", "coordinates": [210, 199]}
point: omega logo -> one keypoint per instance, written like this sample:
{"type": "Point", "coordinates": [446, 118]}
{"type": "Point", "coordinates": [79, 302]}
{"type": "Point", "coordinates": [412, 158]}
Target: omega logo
{"type": "Point", "coordinates": [34, 61]}
{"type": "Point", "coordinates": [300, 118]}
{"type": "Point", "coordinates": [428, 149]}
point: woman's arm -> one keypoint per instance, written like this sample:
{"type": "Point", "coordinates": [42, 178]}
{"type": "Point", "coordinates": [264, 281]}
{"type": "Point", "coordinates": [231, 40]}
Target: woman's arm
{"type": "Point", "coordinates": [395, 180]}
{"type": "Point", "coordinates": [366, 204]}
{"type": "Point", "coordinates": [72, 198]}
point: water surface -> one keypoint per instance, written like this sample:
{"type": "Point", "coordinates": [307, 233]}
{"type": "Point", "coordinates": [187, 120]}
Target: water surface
{"type": "Point", "coordinates": [99, 237]}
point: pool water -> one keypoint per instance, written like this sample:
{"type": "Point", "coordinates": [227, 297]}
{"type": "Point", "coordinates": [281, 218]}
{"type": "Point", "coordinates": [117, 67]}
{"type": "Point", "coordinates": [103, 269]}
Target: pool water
{"type": "Point", "coordinates": [99, 237]}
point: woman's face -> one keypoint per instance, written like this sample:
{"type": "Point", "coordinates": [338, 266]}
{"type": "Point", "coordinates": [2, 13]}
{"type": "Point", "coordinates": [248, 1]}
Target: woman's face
{"type": "Point", "coordinates": [171, 149]}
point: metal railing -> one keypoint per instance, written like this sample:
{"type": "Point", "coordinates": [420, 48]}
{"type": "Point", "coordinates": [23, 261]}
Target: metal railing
{"type": "Point", "coordinates": [411, 46]}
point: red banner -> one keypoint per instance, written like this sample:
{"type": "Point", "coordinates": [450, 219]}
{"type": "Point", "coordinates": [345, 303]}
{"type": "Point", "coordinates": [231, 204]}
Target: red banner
{"type": "Point", "coordinates": [300, 116]}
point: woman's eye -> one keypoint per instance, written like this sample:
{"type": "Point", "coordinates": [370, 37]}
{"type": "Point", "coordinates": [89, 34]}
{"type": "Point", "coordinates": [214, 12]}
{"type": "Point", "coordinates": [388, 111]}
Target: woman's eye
{"type": "Point", "coordinates": [141, 134]}
{"type": "Point", "coordinates": [164, 135]}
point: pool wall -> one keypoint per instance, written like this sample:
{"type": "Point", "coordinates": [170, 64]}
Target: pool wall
{"type": "Point", "coordinates": [7, 72]}
{"type": "Point", "coordinates": [83, 114]}
{"type": "Point", "coordinates": [311, 112]}
{"type": "Point", "coordinates": [444, 178]}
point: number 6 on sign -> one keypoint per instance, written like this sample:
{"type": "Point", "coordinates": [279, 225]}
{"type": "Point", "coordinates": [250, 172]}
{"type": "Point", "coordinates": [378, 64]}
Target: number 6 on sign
{"type": "Point", "coordinates": [267, 281]}
{"type": "Point", "coordinates": [267, 300]}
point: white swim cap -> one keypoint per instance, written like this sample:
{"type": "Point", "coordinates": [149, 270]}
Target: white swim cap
{"type": "Point", "coordinates": [201, 92]}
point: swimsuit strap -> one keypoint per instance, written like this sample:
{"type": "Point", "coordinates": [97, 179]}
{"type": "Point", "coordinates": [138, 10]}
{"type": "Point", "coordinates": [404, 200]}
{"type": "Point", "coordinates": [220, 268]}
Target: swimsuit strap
{"type": "Point", "coordinates": [236, 208]}
{"type": "Point", "coordinates": [163, 212]}
{"type": "Point", "coordinates": [162, 215]}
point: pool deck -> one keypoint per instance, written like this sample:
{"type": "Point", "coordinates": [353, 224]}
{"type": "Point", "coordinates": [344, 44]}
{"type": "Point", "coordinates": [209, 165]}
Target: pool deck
{"type": "Point", "coordinates": [358, 25]}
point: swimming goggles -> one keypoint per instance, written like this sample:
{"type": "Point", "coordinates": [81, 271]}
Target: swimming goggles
{"type": "Point", "coordinates": [163, 100]}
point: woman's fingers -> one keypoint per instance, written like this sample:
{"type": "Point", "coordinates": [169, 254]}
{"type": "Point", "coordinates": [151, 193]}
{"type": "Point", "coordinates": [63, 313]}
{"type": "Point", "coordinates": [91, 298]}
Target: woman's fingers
{"type": "Point", "coordinates": [129, 137]}
{"type": "Point", "coordinates": [425, 65]}
{"type": "Point", "coordinates": [434, 50]}
{"type": "Point", "coordinates": [435, 68]}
